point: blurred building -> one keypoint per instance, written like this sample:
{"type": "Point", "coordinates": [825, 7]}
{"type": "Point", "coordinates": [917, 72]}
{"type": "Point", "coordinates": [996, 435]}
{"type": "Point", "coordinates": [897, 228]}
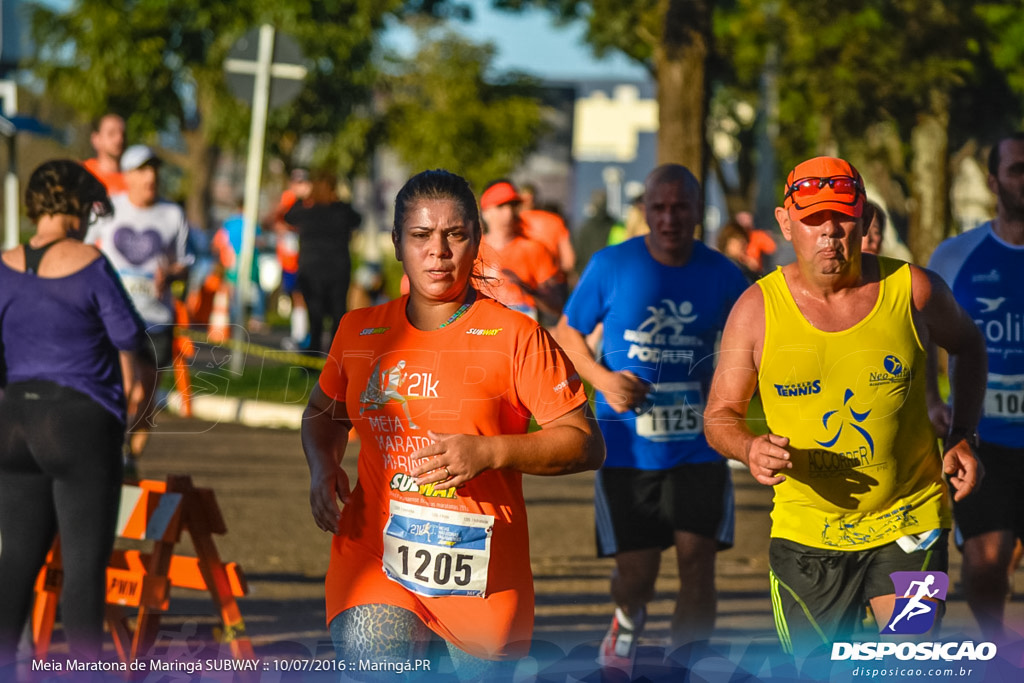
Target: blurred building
{"type": "Point", "coordinates": [14, 35]}
{"type": "Point", "coordinates": [614, 144]}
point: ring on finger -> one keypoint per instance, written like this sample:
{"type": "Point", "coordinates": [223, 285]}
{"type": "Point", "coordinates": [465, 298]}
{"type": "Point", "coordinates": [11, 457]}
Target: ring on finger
{"type": "Point", "coordinates": [447, 472]}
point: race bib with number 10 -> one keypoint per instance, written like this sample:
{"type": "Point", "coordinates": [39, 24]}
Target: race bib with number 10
{"type": "Point", "coordinates": [1004, 397]}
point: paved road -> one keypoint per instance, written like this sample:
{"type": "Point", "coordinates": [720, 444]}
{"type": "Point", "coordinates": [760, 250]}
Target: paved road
{"type": "Point", "coordinates": [261, 483]}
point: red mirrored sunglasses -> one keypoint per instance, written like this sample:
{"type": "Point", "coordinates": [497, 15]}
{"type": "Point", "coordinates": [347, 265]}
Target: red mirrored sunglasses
{"type": "Point", "coordinates": [839, 184]}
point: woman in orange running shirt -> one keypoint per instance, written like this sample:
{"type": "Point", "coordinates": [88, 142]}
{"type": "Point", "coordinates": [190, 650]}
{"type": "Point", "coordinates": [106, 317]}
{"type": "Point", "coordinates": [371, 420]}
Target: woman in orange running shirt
{"type": "Point", "coordinates": [440, 385]}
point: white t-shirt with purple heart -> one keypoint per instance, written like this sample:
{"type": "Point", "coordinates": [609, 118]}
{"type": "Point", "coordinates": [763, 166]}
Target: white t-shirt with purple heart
{"type": "Point", "coordinates": [138, 241]}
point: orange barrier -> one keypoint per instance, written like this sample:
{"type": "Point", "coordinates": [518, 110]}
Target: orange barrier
{"type": "Point", "coordinates": [182, 349]}
{"type": "Point", "coordinates": [200, 301]}
{"type": "Point", "coordinates": [158, 512]}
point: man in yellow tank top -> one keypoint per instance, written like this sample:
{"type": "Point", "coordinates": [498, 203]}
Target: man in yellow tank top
{"type": "Point", "coordinates": [835, 345]}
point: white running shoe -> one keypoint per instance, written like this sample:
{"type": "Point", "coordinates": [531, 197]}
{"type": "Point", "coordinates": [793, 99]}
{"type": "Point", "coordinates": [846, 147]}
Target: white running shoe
{"type": "Point", "coordinates": [618, 649]}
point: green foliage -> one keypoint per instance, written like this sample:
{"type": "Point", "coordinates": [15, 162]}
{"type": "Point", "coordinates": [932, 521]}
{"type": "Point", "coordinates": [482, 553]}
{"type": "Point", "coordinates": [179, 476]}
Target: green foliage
{"type": "Point", "coordinates": [848, 67]}
{"type": "Point", "coordinates": [147, 59]}
{"type": "Point", "coordinates": [1001, 88]}
{"type": "Point", "coordinates": [445, 110]}
{"type": "Point", "coordinates": [670, 38]}
{"type": "Point", "coordinates": [1007, 21]}
{"type": "Point", "coordinates": [160, 63]}
{"type": "Point", "coordinates": [339, 39]}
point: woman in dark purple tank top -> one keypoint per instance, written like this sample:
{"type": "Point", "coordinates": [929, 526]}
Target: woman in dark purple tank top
{"type": "Point", "coordinates": [64, 319]}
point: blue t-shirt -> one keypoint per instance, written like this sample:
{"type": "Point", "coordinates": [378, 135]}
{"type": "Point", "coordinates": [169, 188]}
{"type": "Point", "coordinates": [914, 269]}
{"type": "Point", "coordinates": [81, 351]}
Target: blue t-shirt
{"type": "Point", "coordinates": [234, 226]}
{"type": "Point", "coordinates": [986, 275]}
{"type": "Point", "coordinates": [661, 323]}
{"type": "Point", "coordinates": [68, 330]}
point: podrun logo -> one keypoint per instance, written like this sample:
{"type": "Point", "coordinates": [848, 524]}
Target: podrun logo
{"type": "Point", "coordinates": [932, 651]}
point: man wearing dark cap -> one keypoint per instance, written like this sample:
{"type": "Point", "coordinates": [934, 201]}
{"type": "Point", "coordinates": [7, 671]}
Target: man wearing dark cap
{"type": "Point", "coordinates": [835, 344]}
{"type": "Point", "coordinates": [145, 240]}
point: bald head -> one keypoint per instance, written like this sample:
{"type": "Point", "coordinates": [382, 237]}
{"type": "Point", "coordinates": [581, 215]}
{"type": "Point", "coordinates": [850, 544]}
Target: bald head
{"type": "Point", "coordinates": [675, 174]}
{"type": "Point", "coordinates": [673, 206]}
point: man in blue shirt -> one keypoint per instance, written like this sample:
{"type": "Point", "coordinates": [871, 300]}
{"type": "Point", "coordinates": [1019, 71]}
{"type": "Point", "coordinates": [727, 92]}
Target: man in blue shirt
{"type": "Point", "coordinates": [985, 269]}
{"type": "Point", "coordinates": [663, 299]}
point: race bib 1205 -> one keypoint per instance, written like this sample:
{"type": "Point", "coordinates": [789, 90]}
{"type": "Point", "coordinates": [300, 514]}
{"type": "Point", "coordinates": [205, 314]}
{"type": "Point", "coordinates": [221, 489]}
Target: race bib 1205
{"type": "Point", "coordinates": [436, 552]}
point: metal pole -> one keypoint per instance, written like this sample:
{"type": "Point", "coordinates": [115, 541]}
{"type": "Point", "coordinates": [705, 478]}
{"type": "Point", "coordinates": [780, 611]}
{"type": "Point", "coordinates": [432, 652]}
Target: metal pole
{"type": "Point", "coordinates": [253, 174]}
{"type": "Point", "coordinates": [9, 93]}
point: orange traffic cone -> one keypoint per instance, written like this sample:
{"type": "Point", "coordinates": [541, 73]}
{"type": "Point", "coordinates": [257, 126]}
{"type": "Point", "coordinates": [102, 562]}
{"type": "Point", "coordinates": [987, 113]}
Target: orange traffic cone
{"type": "Point", "coordinates": [220, 317]}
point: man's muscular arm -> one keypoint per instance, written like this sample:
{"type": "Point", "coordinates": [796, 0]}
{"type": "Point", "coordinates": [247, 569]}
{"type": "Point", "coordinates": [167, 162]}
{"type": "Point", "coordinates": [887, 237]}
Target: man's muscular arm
{"type": "Point", "coordinates": [948, 325]}
{"type": "Point", "coordinates": [731, 390]}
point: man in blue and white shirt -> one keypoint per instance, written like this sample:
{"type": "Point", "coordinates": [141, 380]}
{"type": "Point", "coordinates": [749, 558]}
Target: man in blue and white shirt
{"type": "Point", "coordinates": [985, 269]}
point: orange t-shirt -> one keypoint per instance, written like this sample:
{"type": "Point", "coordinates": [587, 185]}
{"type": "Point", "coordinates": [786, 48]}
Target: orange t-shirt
{"type": "Point", "coordinates": [287, 244]}
{"type": "Point", "coordinates": [531, 263]}
{"type": "Point", "coordinates": [459, 559]}
{"type": "Point", "coordinates": [544, 227]}
{"type": "Point", "coordinates": [114, 182]}
{"type": "Point", "coordinates": [760, 243]}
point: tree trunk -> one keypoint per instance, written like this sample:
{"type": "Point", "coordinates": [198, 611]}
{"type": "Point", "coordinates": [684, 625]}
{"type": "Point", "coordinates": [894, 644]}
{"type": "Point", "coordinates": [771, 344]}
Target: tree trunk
{"type": "Point", "coordinates": [681, 63]}
{"type": "Point", "coordinates": [201, 156]}
{"type": "Point", "coordinates": [929, 178]}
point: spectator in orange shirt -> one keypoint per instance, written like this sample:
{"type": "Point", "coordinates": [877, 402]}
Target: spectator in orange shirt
{"type": "Point", "coordinates": [108, 140]}
{"type": "Point", "coordinates": [548, 228]}
{"type": "Point", "coordinates": [287, 240]}
{"type": "Point", "coordinates": [734, 242]}
{"type": "Point", "coordinates": [522, 273]}
{"type": "Point", "coordinates": [761, 243]}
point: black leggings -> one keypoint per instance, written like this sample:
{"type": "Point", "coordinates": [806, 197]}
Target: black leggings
{"type": "Point", "coordinates": [326, 293]}
{"type": "Point", "coordinates": [60, 468]}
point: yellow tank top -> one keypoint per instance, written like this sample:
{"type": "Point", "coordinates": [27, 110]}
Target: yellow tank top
{"type": "Point", "coordinates": [866, 465]}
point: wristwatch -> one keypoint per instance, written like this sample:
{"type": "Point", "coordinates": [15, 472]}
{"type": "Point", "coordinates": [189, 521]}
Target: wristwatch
{"type": "Point", "coordinates": [968, 435]}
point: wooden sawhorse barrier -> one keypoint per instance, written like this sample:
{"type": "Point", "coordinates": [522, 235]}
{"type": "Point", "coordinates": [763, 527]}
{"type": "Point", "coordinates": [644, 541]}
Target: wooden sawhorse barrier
{"type": "Point", "coordinates": [158, 512]}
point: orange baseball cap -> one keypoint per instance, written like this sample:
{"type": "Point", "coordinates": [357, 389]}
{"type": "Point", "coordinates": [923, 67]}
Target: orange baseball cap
{"type": "Point", "coordinates": [498, 194]}
{"type": "Point", "coordinates": [824, 184]}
